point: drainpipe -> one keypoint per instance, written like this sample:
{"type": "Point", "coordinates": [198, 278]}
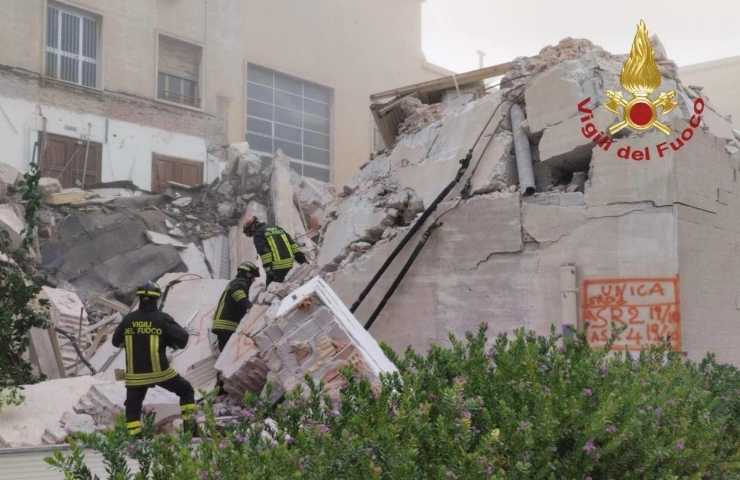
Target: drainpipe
{"type": "Point", "coordinates": [569, 299]}
{"type": "Point", "coordinates": [523, 152]}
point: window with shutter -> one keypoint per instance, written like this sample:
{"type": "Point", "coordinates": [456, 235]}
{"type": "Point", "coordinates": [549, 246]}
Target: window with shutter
{"type": "Point", "coordinates": [178, 78]}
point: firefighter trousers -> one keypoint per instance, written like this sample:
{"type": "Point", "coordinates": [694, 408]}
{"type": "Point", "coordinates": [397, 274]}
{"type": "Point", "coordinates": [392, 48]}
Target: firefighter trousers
{"type": "Point", "coordinates": [135, 400]}
{"type": "Point", "coordinates": [223, 338]}
{"type": "Point", "coordinates": [276, 276]}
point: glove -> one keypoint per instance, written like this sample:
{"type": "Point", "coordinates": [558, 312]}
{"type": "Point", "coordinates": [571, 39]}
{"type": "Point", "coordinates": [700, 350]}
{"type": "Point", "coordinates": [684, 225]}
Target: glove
{"type": "Point", "coordinates": [300, 257]}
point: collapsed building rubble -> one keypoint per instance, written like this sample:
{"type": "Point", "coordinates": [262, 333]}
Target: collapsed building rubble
{"type": "Point", "coordinates": [306, 331]}
{"type": "Point", "coordinates": [495, 256]}
{"type": "Point", "coordinates": [510, 204]}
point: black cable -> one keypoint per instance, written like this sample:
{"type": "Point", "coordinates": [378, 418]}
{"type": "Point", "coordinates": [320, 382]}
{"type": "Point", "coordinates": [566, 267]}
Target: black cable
{"type": "Point", "coordinates": [465, 162]}
{"type": "Point", "coordinates": [412, 231]}
{"type": "Point", "coordinates": [401, 274]}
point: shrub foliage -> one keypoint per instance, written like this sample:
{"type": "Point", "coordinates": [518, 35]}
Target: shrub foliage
{"type": "Point", "coordinates": [523, 407]}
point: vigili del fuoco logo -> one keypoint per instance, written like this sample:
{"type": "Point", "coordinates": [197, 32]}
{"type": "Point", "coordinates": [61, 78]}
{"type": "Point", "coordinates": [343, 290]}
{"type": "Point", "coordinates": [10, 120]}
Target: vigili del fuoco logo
{"type": "Point", "coordinates": [638, 110]}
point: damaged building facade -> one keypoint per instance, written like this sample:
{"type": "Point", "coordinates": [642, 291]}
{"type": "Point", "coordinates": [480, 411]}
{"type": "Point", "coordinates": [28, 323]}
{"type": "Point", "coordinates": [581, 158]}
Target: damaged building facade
{"type": "Point", "coordinates": [151, 92]}
{"type": "Point", "coordinates": [611, 237]}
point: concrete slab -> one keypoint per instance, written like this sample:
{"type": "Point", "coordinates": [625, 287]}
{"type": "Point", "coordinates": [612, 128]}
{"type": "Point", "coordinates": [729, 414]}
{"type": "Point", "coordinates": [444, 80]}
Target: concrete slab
{"type": "Point", "coordinates": [192, 303]}
{"type": "Point", "coordinates": [163, 239]}
{"type": "Point", "coordinates": [461, 129]}
{"type": "Point", "coordinates": [552, 96]}
{"type": "Point", "coordinates": [217, 254]}
{"type": "Point", "coordinates": [497, 168]}
{"type": "Point", "coordinates": [8, 174]}
{"type": "Point", "coordinates": [428, 179]}
{"type": "Point", "coordinates": [564, 147]}
{"type": "Point", "coordinates": [291, 340]}
{"type": "Point", "coordinates": [195, 260]}
{"type": "Point", "coordinates": [283, 206]}
{"type": "Point", "coordinates": [358, 218]}
{"type": "Point", "coordinates": [24, 425]}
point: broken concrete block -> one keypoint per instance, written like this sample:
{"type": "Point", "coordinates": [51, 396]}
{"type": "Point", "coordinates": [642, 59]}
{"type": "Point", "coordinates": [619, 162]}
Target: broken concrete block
{"type": "Point", "coordinates": [192, 304]}
{"type": "Point", "coordinates": [358, 219]}
{"type": "Point", "coordinates": [428, 179]}
{"type": "Point", "coordinates": [552, 96]}
{"type": "Point", "coordinates": [195, 261]}
{"type": "Point", "coordinates": [241, 247]}
{"type": "Point", "coordinates": [497, 168]}
{"type": "Point", "coordinates": [12, 224]}
{"type": "Point", "coordinates": [309, 332]}
{"type": "Point", "coordinates": [565, 148]}
{"type": "Point", "coordinates": [226, 209]}
{"type": "Point", "coordinates": [49, 186]}
{"type": "Point", "coordinates": [284, 210]}
{"type": "Point", "coordinates": [8, 177]}
{"type": "Point", "coordinates": [44, 405]}
{"type": "Point", "coordinates": [182, 202]}
{"type": "Point", "coordinates": [125, 273]}
{"type": "Point", "coordinates": [104, 402]}
{"type": "Point", "coordinates": [68, 313]}
{"type": "Point", "coordinates": [162, 239]}
{"type": "Point", "coordinates": [461, 129]}
{"type": "Point", "coordinates": [78, 422]}
{"type": "Point", "coordinates": [217, 254]}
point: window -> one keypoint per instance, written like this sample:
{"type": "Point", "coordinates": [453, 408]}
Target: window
{"type": "Point", "coordinates": [179, 71]}
{"type": "Point", "coordinates": [72, 46]}
{"type": "Point", "coordinates": [291, 115]}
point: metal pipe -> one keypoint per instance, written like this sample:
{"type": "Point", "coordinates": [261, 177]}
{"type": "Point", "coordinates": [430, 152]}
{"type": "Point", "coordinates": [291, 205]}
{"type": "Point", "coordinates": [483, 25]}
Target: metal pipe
{"type": "Point", "coordinates": [523, 151]}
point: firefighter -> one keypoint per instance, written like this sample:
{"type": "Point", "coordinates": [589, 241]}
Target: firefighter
{"type": "Point", "coordinates": [276, 249]}
{"type": "Point", "coordinates": [232, 306]}
{"type": "Point", "coordinates": [145, 334]}
{"type": "Point", "coordinates": [234, 303]}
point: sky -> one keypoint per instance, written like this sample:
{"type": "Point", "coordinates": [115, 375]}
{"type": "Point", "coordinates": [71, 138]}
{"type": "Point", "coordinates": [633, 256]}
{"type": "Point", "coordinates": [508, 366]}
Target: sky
{"type": "Point", "coordinates": [691, 31]}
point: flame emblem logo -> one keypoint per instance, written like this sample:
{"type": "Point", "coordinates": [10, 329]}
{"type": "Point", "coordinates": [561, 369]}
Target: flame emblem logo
{"type": "Point", "coordinates": [640, 77]}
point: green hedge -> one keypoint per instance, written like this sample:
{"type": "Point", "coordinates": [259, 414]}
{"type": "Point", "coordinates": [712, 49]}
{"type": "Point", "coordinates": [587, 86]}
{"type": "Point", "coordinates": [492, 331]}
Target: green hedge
{"type": "Point", "coordinates": [525, 407]}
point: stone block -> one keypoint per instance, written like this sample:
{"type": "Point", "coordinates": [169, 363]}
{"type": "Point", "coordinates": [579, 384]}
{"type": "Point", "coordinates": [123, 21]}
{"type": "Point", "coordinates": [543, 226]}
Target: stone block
{"type": "Point", "coordinates": [565, 148]}
{"type": "Point", "coordinates": [251, 357]}
{"type": "Point", "coordinates": [12, 224]}
{"type": "Point", "coordinates": [497, 168]}
{"type": "Point", "coordinates": [162, 239]}
{"type": "Point", "coordinates": [49, 186]}
{"type": "Point", "coordinates": [553, 96]}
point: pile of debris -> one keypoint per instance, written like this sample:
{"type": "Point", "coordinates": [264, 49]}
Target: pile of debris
{"type": "Point", "coordinates": [482, 189]}
{"type": "Point", "coordinates": [497, 229]}
{"type": "Point", "coordinates": [98, 245]}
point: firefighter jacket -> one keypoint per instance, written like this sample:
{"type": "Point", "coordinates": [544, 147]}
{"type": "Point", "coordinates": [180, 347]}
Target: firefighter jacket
{"type": "Point", "coordinates": [232, 306]}
{"type": "Point", "coordinates": [275, 247]}
{"type": "Point", "coordinates": [145, 334]}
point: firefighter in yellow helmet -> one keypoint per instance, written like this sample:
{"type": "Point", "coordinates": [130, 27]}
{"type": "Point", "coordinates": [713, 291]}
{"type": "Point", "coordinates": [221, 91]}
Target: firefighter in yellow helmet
{"type": "Point", "coordinates": [277, 250]}
{"type": "Point", "coordinates": [145, 334]}
{"type": "Point", "coordinates": [234, 303]}
{"type": "Point", "coordinates": [232, 306]}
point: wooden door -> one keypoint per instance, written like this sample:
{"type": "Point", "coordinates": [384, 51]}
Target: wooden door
{"type": "Point", "coordinates": [170, 169]}
{"type": "Point", "coordinates": [64, 159]}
